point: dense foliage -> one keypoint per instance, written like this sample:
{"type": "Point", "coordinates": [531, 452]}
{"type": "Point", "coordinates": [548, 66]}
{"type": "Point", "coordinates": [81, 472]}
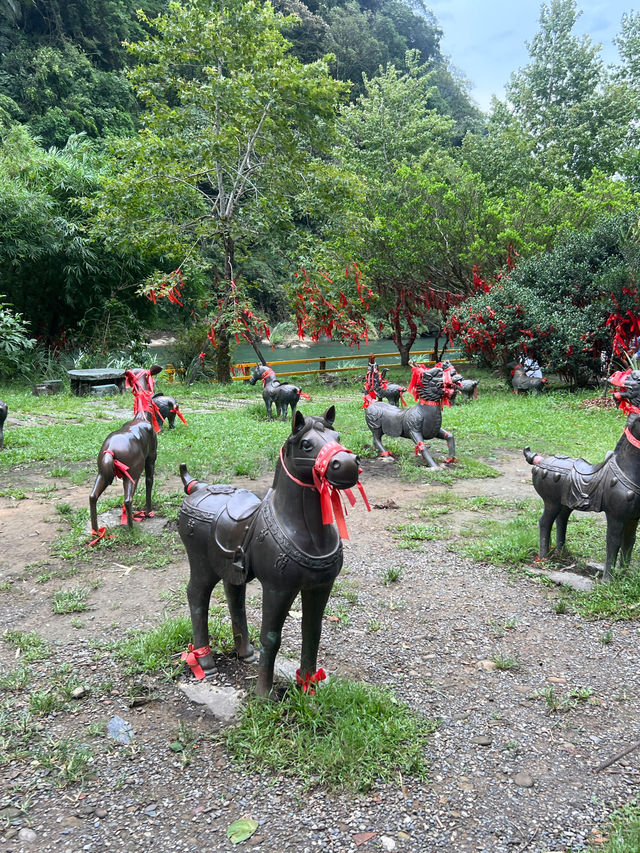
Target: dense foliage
{"type": "Point", "coordinates": [563, 308]}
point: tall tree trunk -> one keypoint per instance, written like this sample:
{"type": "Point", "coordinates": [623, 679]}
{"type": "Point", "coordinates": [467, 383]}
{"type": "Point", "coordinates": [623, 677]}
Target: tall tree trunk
{"type": "Point", "coordinates": [223, 369]}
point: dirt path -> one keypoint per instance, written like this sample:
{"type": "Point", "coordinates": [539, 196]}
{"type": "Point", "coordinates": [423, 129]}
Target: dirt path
{"type": "Point", "coordinates": [509, 772]}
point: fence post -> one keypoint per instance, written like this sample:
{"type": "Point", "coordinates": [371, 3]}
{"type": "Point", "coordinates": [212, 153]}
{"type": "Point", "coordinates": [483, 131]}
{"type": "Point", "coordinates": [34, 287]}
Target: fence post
{"type": "Point", "coordinates": [323, 366]}
{"type": "Point", "coordinates": [169, 370]}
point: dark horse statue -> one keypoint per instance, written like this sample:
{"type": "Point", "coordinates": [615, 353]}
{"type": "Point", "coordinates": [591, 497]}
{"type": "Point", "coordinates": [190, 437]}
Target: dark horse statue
{"type": "Point", "coordinates": [130, 450]}
{"type": "Point", "coordinates": [168, 408]}
{"type": "Point", "coordinates": [4, 411]}
{"type": "Point", "coordinates": [274, 391]}
{"type": "Point", "coordinates": [432, 388]}
{"type": "Point", "coordinates": [612, 486]}
{"type": "Point", "coordinates": [377, 387]}
{"type": "Point", "coordinates": [287, 541]}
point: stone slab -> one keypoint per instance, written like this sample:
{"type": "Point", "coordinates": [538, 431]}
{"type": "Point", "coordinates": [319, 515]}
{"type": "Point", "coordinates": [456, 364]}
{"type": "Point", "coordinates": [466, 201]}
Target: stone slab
{"type": "Point", "coordinates": [222, 702]}
{"type": "Point", "coordinates": [571, 579]}
{"type": "Point", "coordinates": [111, 519]}
{"type": "Point", "coordinates": [104, 390]}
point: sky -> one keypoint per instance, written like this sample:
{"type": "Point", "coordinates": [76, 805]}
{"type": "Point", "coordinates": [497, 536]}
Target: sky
{"type": "Point", "coordinates": [487, 40]}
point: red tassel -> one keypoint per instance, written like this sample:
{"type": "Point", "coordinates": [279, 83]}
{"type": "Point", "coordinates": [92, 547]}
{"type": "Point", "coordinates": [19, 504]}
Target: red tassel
{"type": "Point", "coordinates": [191, 659]}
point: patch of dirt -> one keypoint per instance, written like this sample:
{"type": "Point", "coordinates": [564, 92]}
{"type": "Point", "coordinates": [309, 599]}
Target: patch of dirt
{"type": "Point", "coordinates": [507, 770]}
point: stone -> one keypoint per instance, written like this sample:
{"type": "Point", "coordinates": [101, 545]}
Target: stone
{"type": "Point", "coordinates": [387, 843]}
{"type": "Point", "coordinates": [111, 518]}
{"type": "Point", "coordinates": [523, 780]}
{"type": "Point", "coordinates": [107, 390]}
{"type": "Point", "coordinates": [120, 730]}
{"type": "Point", "coordinates": [482, 740]}
{"type": "Point", "coordinates": [222, 702]}
{"type": "Point", "coordinates": [78, 692]}
{"type": "Point", "coordinates": [27, 836]}
{"type": "Point", "coordinates": [487, 665]}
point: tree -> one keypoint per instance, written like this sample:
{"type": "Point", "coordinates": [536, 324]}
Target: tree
{"type": "Point", "coordinates": [414, 227]}
{"type": "Point", "coordinates": [231, 122]}
{"type": "Point", "coordinates": [564, 114]}
{"type": "Point", "coordinates": [564, 307]}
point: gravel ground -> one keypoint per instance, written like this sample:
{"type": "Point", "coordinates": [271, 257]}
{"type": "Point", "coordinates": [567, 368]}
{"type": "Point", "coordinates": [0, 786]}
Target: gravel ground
{"type": "Point", "coordinates": [506, 772]}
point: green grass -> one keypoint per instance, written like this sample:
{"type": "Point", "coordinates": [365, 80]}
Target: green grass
{"type": "Point", "coordinates": [347, 735]}
{"type": "Point", "coordinates": [622, 832]}
{"type": "Point", "coordinates": [71, 600]}
{"type": "Point", "coordinates": [506, 662]}
{"type": "Point", "coordinates": [30, 645]}
{"type": "Point", "coordinates": [391, 574]}
{"type": "Point", "coordinates": [411, 534]}
{"type": "Point", "coordinates": [158, 649]}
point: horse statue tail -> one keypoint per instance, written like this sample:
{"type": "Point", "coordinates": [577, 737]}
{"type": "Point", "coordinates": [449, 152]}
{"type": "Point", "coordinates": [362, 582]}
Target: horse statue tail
{"type": "Point", "coordinates": [188, 481]}
{"type": "Point", "coordinates": [531, 456]}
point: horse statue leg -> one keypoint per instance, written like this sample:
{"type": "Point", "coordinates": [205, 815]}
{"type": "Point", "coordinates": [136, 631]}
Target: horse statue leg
{"type": "Point", "coordinates": [451, 443]}
{"type": "Point", "coordinates": [199, 589]}
{"type": "Point", "coordinates": [628, 541]}
{"type": "Point", "coordinates": [236, 596]}
{"type": "Point", "coordinates": [549, 515]}
{"type": "Point", "coordinates": [314, 602]}
{"type": "Point", "coordinates": [615, 527]}
{"type": "Point", "coordinates": [276, 603]}
{"type": "Point", "coordinates": [421, 448]}
{"type": "Point", "coordinates": [561, 528]}
{"type": "Point", "coordinates": [376, 437]}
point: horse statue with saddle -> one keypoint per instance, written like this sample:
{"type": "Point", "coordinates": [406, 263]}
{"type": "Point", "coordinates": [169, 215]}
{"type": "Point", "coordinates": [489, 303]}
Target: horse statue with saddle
{"type": "Point", "coordinates": [433, 388]}
{"type": "Point", "coordinates": [612, 486]}
{"type": "Point", "coordinates": [274, 391]}
{"type": "Point", "coordinates": [288, 541]}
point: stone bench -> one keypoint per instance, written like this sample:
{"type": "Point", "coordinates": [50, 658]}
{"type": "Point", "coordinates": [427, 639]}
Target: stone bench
{"type": "Point", "coordinates": [82, 381]}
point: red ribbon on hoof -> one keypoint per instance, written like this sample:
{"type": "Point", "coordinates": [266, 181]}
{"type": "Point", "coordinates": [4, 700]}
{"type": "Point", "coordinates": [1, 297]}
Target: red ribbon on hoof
{"type": "Point", "coordinates": [307, 683]}
{"type": "Point", "coordinates": [191, 659]}
{"type": "Point", "coordinates": [177, 412]}
{"type": "Point", "coordinates": [386, 453]}
{"type": "Point", "coordinates": [305, 396]}
{"type": "Point", "coordinates": [99, 534]}
{"type": "Point", "coordinates": [451, 459]}
{"type": "Point", "coordinates": [138, 515]}
{"type": "Point", "coordinates": [419, 448]}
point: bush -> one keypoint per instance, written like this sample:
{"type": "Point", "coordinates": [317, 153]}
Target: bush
{"type": "Point", "coordinates": [15, 342]}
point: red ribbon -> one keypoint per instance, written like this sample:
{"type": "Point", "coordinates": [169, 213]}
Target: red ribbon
{"type": "Point", "coordinates": [402, 400]}
{"type": "Point", "coordinates": [138, 515]}
{"type": "Point", "coordinates": [99, 534]}
{"type": "Point", "coordinates": [267, 375]}
{"type": "Point", "coordinates": [419, 448]}
{"type": "Point", "coordinates": [369, 398]}
{"type": "Point", "coordinates": [305, 396]}
{"type": "Point", "coordinates": [177, 412]}
{"type": "Point", "coordinates": [631, 438]}
{"type": "Point", "coordinates": [307, 683]}
{"type": "Point", "coordinates": [191, 658]}
{"type": "Point", "coordinates": [120, 470]}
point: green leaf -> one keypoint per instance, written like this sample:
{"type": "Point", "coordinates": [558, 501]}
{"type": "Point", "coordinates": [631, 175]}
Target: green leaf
{"type": "Point", "coordinates": [241, 829]}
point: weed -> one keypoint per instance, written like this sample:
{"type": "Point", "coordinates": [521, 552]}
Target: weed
{"type": "Point", "coordinates": [552, 700]}
{"type": "Point", "coordinates": [13, 494]}
{"type": "Point", "coordinates": [71, 600]}
{"type": "Point", "coordinates": [347, 735]}
{"type": "Point", "coordinates": [5, 585]}
{"type": "Point", "coordinates": [622, 835]}
{"type": "Point", "coordinates": [184, 744]}
{"type": "Point", "coordinates": [410, 535]}
{"type": "Point", "coordinates": [59, 471]}
{"type": "Point", "coordinates": [391, 574]}
{"type": "Point", "coordinates": [505, 662]}
{"type": "Point", "coordinates": [16, 679]}
{"type": "Point", "coordinates": [607, 638]}
{"type": "Point", "coordinates": [176, 597]}
{"type": "Point", "coordinates": [374, 625]}
{"type": "Point", "coordinates": [77, 623]}
{"type": "Point", "coordinates": [43, 702]}
{"type": "Point", "coordinates": [65, 509]}
{"type": "Point", "coordinates": [30, 646]}
{"type": "Point", "coordinates": [561, 606]}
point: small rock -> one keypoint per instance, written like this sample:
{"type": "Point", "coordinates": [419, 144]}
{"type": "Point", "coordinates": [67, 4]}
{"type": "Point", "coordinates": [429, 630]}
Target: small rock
{"type": "Point", "coordinates": [101, 812]}
{"type": "Point", "coordinates": [28, 836]}
{"type": "Point", "coordinates": [523, 780]}
{"type": "Point", "coordinates": [120, 730]}
{"type": "Point", "coordinates": [388, 844]}
{"type": "Point", "coordinates": [78, 693]}
{"type": "Point", "coordinates": [487, 665]}
{"type": "Point", "coordinates": [223, 702]}
{"type": "Point", "coordinates": [482, 740]}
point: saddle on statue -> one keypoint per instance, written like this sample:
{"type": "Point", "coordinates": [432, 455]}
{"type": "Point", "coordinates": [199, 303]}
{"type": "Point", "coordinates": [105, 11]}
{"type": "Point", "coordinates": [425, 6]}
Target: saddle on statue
{"type": "Point", "coordinates": [582, 482]}
{"type": "Point", "coordinates": [231, 512]}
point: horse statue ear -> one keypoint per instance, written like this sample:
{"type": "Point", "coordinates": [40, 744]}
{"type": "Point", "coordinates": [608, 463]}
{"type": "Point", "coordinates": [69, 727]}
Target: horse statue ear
{"type": "Point", "coordinates": [155, 369]}
{"type": "Point", "coordinates": [330, 415]}
{"type": "Point", "coordinates": [297, 422]}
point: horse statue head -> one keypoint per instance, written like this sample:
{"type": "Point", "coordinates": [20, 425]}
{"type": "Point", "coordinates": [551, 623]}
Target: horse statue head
{"type": "Point", "coordinates": [626, 390]}
{"type": "Point", "coordinates": [263, 372]}
{"type": "Point", "coordinates": [314, 457]}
